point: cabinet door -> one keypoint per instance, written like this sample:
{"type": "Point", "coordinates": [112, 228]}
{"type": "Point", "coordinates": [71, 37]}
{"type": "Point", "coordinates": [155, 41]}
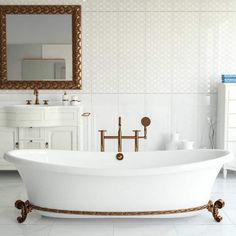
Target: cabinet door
{"type": "Point", "coordinates": [61, 138]}
{"type": "Point", "coordinates": [32, 144]}
{"type": "Point", "coordinates": [8, 141]}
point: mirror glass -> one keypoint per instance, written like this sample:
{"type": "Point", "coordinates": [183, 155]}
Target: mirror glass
{"type": "Point", "coordinates": [39, 47]}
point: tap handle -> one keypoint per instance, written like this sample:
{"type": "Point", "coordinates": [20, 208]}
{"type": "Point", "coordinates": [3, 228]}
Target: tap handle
{"type": "Point", "coordinates": [28, 102]}
{"type": "Point", "coordinates": [45, 102]}
{"type": "Point", "coordinates": [146, 121]}
{"type": "Point", "coordinates": [136, 130]}
{"type": "Point", "coordinates": [119, 121]}
{"type": "Point", "coordinates": [102, 130]}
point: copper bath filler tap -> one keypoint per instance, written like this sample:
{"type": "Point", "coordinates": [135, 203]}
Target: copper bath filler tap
{"type": "Point", "coordinates": [145, 122]}
{"type": "Point", "coordinates": [36, 93]}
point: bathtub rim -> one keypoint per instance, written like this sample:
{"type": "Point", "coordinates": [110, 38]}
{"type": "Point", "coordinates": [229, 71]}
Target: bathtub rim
{"type": "Point", "coordinates": [68, 169]}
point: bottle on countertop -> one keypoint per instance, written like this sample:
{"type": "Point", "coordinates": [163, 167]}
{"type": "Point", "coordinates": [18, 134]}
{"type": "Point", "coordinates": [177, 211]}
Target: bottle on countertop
{"type": "Point", "coordinates": [75, 100]}
{"type": "Point", "coordinates": [174, 142]}
{"type": "Point", "coordinates": [65, 99]}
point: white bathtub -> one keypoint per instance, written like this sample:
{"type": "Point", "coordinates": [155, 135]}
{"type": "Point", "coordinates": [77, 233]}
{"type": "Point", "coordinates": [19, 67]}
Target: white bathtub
{"type": "Point", "coordinates": [98, 182]}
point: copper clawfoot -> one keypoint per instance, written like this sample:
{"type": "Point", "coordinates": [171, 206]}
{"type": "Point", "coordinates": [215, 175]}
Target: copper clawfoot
{"type": "Point", "coordinates": [25, 208]}
{"type": "Point", "coordinates": [214, 209]}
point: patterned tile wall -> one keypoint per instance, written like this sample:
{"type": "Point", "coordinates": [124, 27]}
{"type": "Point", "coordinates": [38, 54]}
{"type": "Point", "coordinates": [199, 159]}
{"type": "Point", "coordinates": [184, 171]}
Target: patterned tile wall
{"type": "Point", "coordinates": [161, 58]}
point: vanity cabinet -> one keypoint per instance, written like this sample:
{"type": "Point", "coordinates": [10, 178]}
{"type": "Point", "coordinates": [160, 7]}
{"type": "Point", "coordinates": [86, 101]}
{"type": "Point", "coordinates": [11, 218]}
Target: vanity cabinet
{"type": "Point", "coordinates": [42, 127]}
{"type": "Point", "coordinates": [62, 138]}
{"type": "Point", "coordinates": [226, 122]}
{"type": "Point", "coordinates": [8, 141]}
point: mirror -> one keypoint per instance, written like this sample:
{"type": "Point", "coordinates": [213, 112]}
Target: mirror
{"type": "Point", "coordinates": [40, 47]}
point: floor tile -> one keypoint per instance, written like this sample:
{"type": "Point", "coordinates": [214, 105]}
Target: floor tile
{"type": "Point", "coordinates": [144, 230]}
{"type": "Point", "coordinates": [206, 230]}
{"type": "Point", "coordinates": [82, 230]}
{"type": "Point", "coordinates": [24, 230]}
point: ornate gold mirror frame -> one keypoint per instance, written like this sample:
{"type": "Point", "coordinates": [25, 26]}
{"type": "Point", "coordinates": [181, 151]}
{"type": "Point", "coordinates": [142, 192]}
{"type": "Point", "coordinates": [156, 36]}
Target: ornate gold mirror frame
{"type": "Point", "coordinates": [75, 11]}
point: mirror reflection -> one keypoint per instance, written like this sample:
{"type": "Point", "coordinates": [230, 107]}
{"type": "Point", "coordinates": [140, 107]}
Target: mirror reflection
{"type": "Point", "coordinates": [39, 47]}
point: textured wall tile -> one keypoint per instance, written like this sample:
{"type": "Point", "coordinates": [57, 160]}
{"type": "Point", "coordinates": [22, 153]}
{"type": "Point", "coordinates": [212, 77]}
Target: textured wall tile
{"type": "Point", "coordinates": [132, 5]}
{"type": "Point", "coordinates": [131, 52]}
{"type": "Point", "coordinates": [217, 5]}
{"type": "Point", "coordinates": [227, 43]}
{"type": "Point", "coordinates": [105, 57]}
{"type": "Point", "coordinates": [209, 52]}
{"type": "Point", "coordinates": [185, 52]}
{"type": "Point", "coordinates": [89, 43]}
{"type": "Point", "coordinates": [185, 5]}
{"type": "Point", "coordinates": [159, 5]}
{"type": "Point", "coordinates": [159, 52]}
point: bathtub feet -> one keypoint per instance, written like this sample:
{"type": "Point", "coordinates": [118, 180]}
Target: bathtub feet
{"type": "Point", "coordinates": [214, 209]}
{"type": "Point", "coordinates": [25, 208]}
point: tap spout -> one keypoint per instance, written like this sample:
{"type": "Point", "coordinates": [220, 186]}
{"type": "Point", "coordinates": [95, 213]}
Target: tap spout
{"type": "Point", "coordinates": [36, 93]}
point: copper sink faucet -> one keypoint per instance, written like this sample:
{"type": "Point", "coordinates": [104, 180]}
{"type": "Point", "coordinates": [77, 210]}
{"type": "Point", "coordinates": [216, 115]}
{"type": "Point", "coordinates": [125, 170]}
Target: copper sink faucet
{"type": "Point", "coordinates": [145, 122]}
{"type": "Point", "coordinates": [36, 93]}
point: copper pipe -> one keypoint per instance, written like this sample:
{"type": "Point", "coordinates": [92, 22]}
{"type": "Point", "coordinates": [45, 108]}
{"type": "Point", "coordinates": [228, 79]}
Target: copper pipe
{"type": "Point", "coordinates": [136, 138]}
{"type": "Point", "coordinates": [119, 136]}
{"type": "Point", "coordinates": [102, 144]}
{"type": "Point", "coordinates": [145, 122]}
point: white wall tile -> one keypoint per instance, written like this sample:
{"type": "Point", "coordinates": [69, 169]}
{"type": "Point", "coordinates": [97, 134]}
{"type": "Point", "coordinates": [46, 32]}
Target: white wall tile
{"type": "Point", "coordinates": [185, 116]}
{"type": "Point", "coordinates": [105, 115]}
{"type": "Point", "coordinates": [158, 108]}
{"type": "Point", "coordinates": [131, 109]}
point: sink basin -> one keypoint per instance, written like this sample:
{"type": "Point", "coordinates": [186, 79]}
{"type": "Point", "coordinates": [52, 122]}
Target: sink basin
{"type": "Point", "coordinates": [39, 115]}
{"type": "Point", "coordinates": [38, 106]}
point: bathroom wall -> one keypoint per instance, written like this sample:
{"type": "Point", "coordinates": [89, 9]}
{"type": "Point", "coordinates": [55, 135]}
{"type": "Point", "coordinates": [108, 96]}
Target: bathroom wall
{"type": "Point", "coordinates": [156, 58]}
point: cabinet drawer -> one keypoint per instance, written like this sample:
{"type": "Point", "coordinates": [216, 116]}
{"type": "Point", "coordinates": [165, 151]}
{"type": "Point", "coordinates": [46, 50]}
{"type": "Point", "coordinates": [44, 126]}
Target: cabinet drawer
{"type": "Point", "coordinates": [31, 133]}
{"type": "Point", "coordinates": [32, 144]}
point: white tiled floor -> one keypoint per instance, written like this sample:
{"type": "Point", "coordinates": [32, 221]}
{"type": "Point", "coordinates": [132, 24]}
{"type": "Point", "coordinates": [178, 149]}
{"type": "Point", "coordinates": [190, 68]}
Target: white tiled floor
{"type": "Point", "coordinates": [11, 188]}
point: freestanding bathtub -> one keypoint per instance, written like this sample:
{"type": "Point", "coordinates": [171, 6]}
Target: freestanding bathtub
{"type": "Point", "coordinates": [95, 184]}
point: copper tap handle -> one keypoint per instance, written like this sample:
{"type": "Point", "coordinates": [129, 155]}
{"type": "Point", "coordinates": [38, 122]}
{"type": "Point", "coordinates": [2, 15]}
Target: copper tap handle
{"type": "Point", "coordinates": [28, 102]}
{"type": "Point", "coordinates": [45, 102]}
{"type": "Point", "coordinates": [136, 130]}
